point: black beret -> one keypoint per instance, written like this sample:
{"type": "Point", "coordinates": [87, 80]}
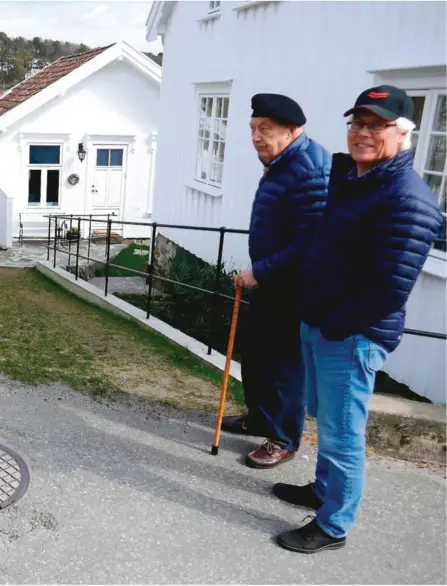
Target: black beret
{"type": "Point", "coordinates": [279, 108]}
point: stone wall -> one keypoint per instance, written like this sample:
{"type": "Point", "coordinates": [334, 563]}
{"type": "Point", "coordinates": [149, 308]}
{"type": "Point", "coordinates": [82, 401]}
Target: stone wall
{"type": "Point", "coordinates": [165, 250]}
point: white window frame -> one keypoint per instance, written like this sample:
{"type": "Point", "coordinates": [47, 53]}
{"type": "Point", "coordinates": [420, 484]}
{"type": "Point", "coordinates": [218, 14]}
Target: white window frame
{"type": "Point", "coordinates": [214, 6]}
{"type": "Point", "coordinates": [199, 139]}
{"type": "Point", "coordinates": [425, 133]}
{"type": "Point", "coordinates": [423, 129]}
{"type": "Point", "coordinates": [44, 169]}
{"type": "Point", "coordinates": [213, 13]}
{"type": "Point", "coordinates": [247, 4]}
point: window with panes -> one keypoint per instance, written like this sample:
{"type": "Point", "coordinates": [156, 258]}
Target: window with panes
{"type": "Point", "coordinates": [430, 140]}
{"type": "Point", "coordinates": [213, 119]}
{"type": "Point", "coordinates": [44, 175]}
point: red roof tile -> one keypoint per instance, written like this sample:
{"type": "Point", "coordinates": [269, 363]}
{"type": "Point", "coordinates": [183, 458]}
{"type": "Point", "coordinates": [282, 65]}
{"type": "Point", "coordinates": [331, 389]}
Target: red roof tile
{"type": "Point", "coordinates": [38, 82]}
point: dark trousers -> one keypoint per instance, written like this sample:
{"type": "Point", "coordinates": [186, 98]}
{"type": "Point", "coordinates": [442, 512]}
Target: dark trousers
{"type": "Point", "coordinates": [272, 368]}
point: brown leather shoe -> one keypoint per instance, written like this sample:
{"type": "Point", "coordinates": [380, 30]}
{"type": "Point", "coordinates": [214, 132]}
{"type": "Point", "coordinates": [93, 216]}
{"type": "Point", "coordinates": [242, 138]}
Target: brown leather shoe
{"type": "Point", "coordinates": [268, 455]}
{"type": "Point", "coordinates": [235, 424]}
{"type": "Point", "coordinates": [239, 424]}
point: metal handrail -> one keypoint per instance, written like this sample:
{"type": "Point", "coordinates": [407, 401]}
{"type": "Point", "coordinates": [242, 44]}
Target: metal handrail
{"type": "Point", "coordinates": [150, 275]}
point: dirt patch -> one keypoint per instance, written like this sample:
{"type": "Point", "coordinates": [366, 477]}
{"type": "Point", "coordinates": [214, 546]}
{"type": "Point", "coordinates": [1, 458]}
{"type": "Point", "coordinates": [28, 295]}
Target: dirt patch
{"type": "Point", "coordinates": [170, 386]}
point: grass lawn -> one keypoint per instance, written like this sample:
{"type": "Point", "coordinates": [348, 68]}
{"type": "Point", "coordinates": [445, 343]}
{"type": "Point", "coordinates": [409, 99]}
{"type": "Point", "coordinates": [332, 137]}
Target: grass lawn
{"type": "Point", "coordinates": [48, 335]}
{"type": "Point", "coordinates": [127, 259]}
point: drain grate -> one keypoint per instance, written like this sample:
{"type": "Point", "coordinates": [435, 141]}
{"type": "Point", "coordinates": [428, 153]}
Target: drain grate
{"type": "Point", "coordinates": [14, 477]}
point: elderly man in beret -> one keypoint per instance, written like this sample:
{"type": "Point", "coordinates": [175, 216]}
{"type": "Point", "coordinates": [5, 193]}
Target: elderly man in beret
{"type": "Point", "coordinates": [377, 230]}
{"type": "Point", "coordinates": [286, 211]}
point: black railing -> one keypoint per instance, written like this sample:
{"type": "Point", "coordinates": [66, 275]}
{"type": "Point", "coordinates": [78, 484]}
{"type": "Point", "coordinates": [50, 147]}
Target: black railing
{"type": "Point", "coordinates": [57, 242]}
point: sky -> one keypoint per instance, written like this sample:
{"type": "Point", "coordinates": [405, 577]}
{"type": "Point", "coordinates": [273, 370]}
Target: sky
{"type": "Point", "coordinates": [82, 21]}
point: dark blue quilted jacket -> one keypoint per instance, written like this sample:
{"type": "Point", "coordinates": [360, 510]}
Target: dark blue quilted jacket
{"type": "Point", "coordinates": [375, 235]}
{"type": "Point", "coordinates": [286, 211]}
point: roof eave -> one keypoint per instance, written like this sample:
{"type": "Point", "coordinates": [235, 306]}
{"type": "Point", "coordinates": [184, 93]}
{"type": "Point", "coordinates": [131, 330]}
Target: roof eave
{"type": "Point", "coordinates": [141, 61]}
{"type": "Point", "coordinates": [157, 20]}
{"type": "Point", "coordinates": [59, 87]}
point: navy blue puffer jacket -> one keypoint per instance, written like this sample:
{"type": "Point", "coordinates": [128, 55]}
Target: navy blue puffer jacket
{"type": "Point", "coordinates": [375, 235]}
{"type": "Point", "coordinates": [287, 208]}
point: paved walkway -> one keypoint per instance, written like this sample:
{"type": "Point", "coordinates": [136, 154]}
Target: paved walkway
{"type": "Point", "coordinates": [30, 253]}
{"type": "Point", "coordinates": [121, 284]}
{"type": "Point", "coordinates": [127, 495]}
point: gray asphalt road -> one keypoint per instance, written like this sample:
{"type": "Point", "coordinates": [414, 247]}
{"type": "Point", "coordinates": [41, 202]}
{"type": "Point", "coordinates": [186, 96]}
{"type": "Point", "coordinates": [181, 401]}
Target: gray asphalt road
{"type": "Point", "coordinates": [122, 495]}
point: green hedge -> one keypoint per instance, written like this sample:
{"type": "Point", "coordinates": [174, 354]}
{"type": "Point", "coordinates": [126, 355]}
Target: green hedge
{"type": "Point", "coordinates": [202, 316]}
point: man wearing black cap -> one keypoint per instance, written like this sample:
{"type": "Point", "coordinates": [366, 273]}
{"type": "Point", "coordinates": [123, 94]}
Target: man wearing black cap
{"type": "Point", "coordinates": [376, 233]}
{"type": "Point", "coordinates": [286, 210]}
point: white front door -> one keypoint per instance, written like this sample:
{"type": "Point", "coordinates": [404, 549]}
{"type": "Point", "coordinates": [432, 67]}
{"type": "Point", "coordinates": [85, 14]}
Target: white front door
{"type": "Point", "coordinates": [108, 179]}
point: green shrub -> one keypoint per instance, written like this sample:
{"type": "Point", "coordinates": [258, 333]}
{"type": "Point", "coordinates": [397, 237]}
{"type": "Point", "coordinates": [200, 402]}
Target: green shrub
{"type": "Point", "coordinates": [201, 315]}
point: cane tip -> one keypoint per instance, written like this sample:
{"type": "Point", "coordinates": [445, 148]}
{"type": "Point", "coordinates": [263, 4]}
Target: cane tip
{"type": "Point", "coordinates": [214, 450]}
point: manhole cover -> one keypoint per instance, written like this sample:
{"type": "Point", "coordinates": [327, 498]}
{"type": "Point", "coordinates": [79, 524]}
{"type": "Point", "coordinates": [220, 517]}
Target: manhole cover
{"type": "Point", "coordinates": [14, 477]}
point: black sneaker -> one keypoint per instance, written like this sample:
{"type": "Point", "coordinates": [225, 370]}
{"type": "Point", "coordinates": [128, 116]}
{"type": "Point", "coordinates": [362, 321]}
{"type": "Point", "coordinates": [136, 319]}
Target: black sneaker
{"type": "Point", "coordinates": [309, 539]}
{"type": "Point", "coordinates": [303, 496]}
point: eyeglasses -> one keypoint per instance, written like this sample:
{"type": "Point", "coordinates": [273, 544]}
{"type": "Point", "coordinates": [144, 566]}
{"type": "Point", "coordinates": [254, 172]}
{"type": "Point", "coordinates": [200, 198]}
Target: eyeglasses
{"type": "Point", "coordinates": [373, 127]}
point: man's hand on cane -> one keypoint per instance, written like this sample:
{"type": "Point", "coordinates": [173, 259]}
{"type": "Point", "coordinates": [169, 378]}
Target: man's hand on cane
{"type": "Point", "coordinates": [246, 280]}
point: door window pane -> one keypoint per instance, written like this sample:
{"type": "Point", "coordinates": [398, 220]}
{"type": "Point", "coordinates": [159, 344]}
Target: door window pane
{"type": "Point", "coordinates": [44, 155]}
{"type": "Point", "coordinates": [440, 115]}
{"type": "Point", "coordinates": [225, 108]}
{"type": "Point", "coordinates": [418, 102]}
{"type": "Point", "coordinates": [440, 243]}
{"type": "Point", "coordinates": [209, 107]}
{"type": "Point", "coordinates": [219, 173]}
{"type": "Point", "coordinates": [436, 154]}
{"type": "Point", "coordinates": [221, 152]}
{"type": "Point", "coordinates": [52, 187]}
{"type": "Point", "coordinates": [202, 159]}
{"type": "Point", "coordinates": [102, 157]}
{"type": "Point", "coordinates": [213, 173]}
{"type": "Point", "coordinates": [34, 187]}
{"type": "Point", "coordinates": [443, 202]}
{"type": "Point", "coordinates": [219, 108]}
{"type": "Point", "coordinates": [434, 182]}
{"type": "Point", "coordinates": [116, 158]}
{"type": "Point", "coordinates": [414, 139]}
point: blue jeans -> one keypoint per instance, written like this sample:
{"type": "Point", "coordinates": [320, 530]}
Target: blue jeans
{"type": "Point", "coordinates": [339, 379]}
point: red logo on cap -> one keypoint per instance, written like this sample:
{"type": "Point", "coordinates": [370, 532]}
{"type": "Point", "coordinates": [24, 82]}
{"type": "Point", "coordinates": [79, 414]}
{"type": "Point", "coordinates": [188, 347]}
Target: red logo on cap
{"type": "Point", "coordinates": [376, 95]}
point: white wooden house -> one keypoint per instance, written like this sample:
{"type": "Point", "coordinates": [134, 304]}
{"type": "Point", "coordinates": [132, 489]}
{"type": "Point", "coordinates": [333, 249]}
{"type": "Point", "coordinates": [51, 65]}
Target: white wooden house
{"type": "Point", "coordinates": [104, 102]}
{"type": "Point", "coordinates": [218, 54]}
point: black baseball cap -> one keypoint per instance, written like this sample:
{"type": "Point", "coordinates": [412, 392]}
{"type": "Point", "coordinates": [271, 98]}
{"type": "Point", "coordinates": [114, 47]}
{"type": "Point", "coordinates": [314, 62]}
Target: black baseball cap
{"type": "Point", "coordinates": [387, 101]}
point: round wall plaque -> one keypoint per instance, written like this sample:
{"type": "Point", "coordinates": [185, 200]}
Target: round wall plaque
{"type": "Point", "coordinates": [73, 179]}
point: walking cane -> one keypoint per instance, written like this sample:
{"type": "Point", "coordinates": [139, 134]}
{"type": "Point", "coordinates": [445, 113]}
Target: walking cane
{"type": "Point", "coordinates": [223, 392]}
